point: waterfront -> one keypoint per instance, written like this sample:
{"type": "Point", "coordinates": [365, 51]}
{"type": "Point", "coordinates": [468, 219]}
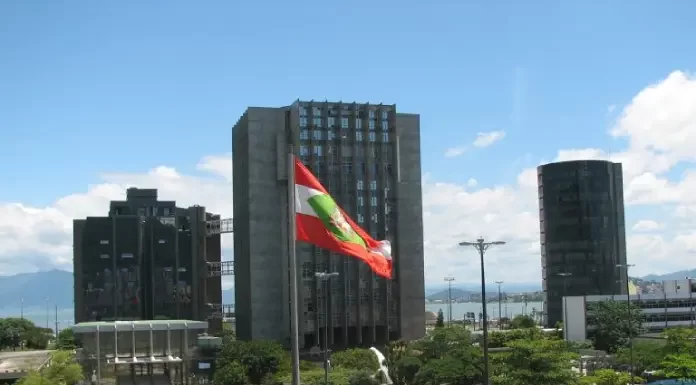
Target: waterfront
{"type": "Point", "coordinates": [509, 310]}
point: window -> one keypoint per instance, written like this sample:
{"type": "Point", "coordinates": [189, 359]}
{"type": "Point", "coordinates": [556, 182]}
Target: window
{"type": "Point", "coordinates": [385, 136]}
{"type": "Point", "coordinates": [360, 185]}
{"type": "Point", "coordinates": [361, 201]}
{"type": "Point", "coordinates": [165, 211]}
{"type": "Point", "coordinates": [385, 125]}
{"type": "Point", "coordinates": [161, 241]}
{"type": "Point", "coordinates": [358, 123]}
{"type": "Point", "coordinates": [331, 135]}
{"type": "Point", "coordinates": [303, 121]}
{"type": "Point", "coordinates": [316, 135]}
{"type": "Point", "coordinates": [303, 111]}
{"type": "Point", "coordinates": [104, 242]}
{"type": "Point", "coordinates": [361, 218]}
{"type": "Point", "coordinates": [358, 136]}
{"type": "Point", "coordinates": [371, 124]}
{"type": "Point", "coordinates": [127, 255]}
{"type": "Point", "coordinates": [332, 122]}
{"type": "Point", "coordinates": [317, 122]}
{"type": "Point", "coordinates": [371, 136]}
{"type": "Point", "coordinates": [316, 111]}
{"type": "Point", "coordinates": [304, 134]}
{"type": "Point", "coordinates": [385, 115]}
{"type": "Point", "coordinates": [317, 150]}
{"type": "Point", "coordinates": [372, 114]}
{"type": "Point", "coordinates": [344, 122]}
{"type": "Point", "coordinates": [304, 150]}
{"type": "Point", "coordinates": [373, 185]}
{"type": "Point", "coordinates": [104, 256]}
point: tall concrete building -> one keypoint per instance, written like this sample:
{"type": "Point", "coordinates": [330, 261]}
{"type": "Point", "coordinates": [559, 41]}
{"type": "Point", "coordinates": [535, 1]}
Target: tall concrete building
{"type": "Point", "coordinates": [583, 235]}
{"type": "Point", "coordinates": [146, 260]}
{"type": "Point", "coordinates": [368, 157]}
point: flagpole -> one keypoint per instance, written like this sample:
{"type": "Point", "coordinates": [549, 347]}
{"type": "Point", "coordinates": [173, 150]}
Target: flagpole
{"type": "Point", "coordinates": [292, 256]}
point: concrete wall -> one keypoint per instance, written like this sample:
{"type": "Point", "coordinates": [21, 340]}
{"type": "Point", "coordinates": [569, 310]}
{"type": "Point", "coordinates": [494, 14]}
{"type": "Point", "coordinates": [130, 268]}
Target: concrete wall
{"type": "Point", "coordinates": [409, 251]}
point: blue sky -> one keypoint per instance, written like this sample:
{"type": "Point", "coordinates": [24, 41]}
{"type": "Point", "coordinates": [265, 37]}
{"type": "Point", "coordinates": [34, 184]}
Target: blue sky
{"type": "Point", "coordinates": [81, 77]}
{"type": "Point", "coordinates": [94, 87]}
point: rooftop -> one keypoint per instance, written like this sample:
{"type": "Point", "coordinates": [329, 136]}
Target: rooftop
{"type": "Point", "coordinates": [142, 325]}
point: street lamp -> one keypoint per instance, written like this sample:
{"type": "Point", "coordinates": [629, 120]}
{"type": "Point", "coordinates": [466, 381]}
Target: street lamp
{"type": "Point", "coordinates": [481, 245]}
{"type": "Point", "coordinates": [565, 303]}
{"type": "Point", "coordinates": [449, 299]}
{"type": "Point", "coordinates": [500, 306]}
{"type": "Point", "coordinates": [630, 316]}
{"type": "Point", "coordinates": [325, 277]}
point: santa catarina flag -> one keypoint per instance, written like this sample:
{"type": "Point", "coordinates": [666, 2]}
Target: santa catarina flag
{"type": "Point", "coordinates": [322, 223]}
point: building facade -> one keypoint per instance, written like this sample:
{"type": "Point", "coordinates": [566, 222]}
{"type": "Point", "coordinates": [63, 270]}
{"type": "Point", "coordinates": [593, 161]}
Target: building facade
{"type": "Point", "coordinates": [673, 307]}
{"type": "Point", "coordinates": [582, 231]}
{"type": "Point", "coordinates": [368, 158]}
{"type": "Point", "coordinates": [146, 260]}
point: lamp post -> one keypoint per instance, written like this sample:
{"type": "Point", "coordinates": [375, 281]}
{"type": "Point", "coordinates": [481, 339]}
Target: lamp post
{"type": "Point", "coordinates": [325, 277]}
{"type": "Point", "coordinates": [565, 276]}
{"type": "Point", "coordinates": [481, 245]}
{"type": "Point", "coordinates": [500, 305]}
{"type": "Point", "coordinates": [630, 317]}
{"type": "Point", "coordinates": [449, 299]}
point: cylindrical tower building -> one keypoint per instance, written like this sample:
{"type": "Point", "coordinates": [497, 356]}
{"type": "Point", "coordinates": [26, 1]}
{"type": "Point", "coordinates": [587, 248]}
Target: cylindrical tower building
{"type": "Point", "coordinates": [582, 231]}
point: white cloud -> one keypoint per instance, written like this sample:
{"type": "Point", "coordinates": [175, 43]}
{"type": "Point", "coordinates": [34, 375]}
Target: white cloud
{"type": "Point", "coordinates": [454, 152]}
{"type": "Point", "coordinates": [485, 139]}
{"type": "Point", "coordinates": [659, 126]}
{"type": "Point", "coordinates": [647, 225]}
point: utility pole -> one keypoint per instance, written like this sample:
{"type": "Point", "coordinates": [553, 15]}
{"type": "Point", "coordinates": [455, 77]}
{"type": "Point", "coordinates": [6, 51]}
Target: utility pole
{"type": "Point", "coordinates": [449, 299]}
{"type": "Point", "coordinates": [481, 246]}
{"type": "Point", "coordinates": [630, 316]}
{"type": "Point", "coordinates": [565, 276]}
{"type": "Point", "coordinates": [325, 277]}
{"type": "Point", "coordinates": [500, 306]}
{"type": "Point", "coordinates": [56, 322]}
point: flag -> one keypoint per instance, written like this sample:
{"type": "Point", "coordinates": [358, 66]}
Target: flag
{"type": "Point", "coordinates": [321, 222]}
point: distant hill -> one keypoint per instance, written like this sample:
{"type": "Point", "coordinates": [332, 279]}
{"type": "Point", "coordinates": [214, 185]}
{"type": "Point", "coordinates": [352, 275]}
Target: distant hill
{"type": "Point", "coordinates": [456, 294]}
{"type": "Point", "coordinates": [670, 276]}
{"type": "Point", "coordinates": [35, 288]}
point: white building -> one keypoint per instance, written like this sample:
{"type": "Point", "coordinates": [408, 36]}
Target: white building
{"type": "Point", "coordinates": [672, 307]}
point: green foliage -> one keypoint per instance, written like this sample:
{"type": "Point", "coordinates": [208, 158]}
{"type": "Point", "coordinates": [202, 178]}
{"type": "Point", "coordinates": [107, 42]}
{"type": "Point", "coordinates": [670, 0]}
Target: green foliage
{"type": "Point", "coordinates": [448, 370]}
{"type": "Point", "coordinates": [614, 321]}
{"type": "Point", "coordinates": [362, 378]}
{"type": "Point", "coordinates": [440, 321]}
{"type": "Point", "coordinates": [679, 366]}
{"type": "Point", "coordinates": [17, 332]}
{"type": "Point", "coordinates": [62, 371]}
{"type": "Point", "coordinates": [405, 369]}
{"type": "Point", "coordinates": [259, 359]}
{"type": "Point", "coordinates": [232, 373]}
{"type": "Point", "coordinates": [609, 377]}
{"type": "Point", "coordinates": [521, 321]}
{"type": "Point", "coordinates": [646, 355]}
{"type": "Point", "coordinates": [535, 362]}
{"type": "Point", "coordinates": [680, 340]}
{"type": "Point", "coordinates": [358, 359]}
{"type": "Point", "coordinates": [441, 341]}
{"type": "Point", "coordinates": [227, 331]}
{"type": "Point", "coordinates": [66, 340]}
{"type": "Point", "coordinates": [501, 339]}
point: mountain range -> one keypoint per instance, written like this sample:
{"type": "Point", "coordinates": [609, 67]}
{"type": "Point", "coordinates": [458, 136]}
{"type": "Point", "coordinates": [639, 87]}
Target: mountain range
{"type": "Point", "coordinates": [55, 288]}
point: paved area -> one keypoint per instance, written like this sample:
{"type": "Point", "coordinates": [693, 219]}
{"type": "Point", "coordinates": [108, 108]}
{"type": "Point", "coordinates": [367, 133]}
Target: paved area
{"type": "Point", "coordinates": [12, 364]}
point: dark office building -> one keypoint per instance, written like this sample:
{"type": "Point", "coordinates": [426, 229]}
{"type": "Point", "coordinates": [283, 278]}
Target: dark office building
{"type": "Point", "coordinates": [368, 157]}
{"type": "Point", "coordinates": [147, 260]}
{"type": "Point", "coordinates": [583, 235]}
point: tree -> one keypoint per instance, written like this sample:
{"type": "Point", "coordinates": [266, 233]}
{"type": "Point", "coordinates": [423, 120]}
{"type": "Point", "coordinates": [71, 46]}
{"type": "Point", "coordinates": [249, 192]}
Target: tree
{"type": "Point", "coordinates": [395, 352]}
{"type": "Point", "coordinates": [646, 356]}
{"type": "Point", "coordinates": [609, 377]}
{"type": "Point", "coordinates": [614, 322]}
{"type": "Point", "coordinates": [440, 322]}
{"type": "Point", "coordinates": [535, 362]}
{"type": "Point", "coordinates": [259, 358]}
{"type": "Point", "coordinates": [66, 340]}
{"type": "Point", "coordinates": [62, 371]}
{"type": "Point", "coordinates": [357, 359]}
{"type": "Point", "coordinates": [232, 373]}
{"type": "Point", "coordinates": [441, 341]}
{"type": "Point", "coordinates": [521, 321]}
{"type": "Point", "coordinates": [362, 378]}
{"type": "Point", "coordinates": [448, 370]}
{"type": "Point", "coordinates": [404, 371]}
{"type": "Point", "coordinates": [679, 366]}
{"type": "Point", "coordinates": [680, 341]}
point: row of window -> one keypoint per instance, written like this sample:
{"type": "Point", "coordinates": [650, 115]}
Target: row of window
{"type": "Point", "coordinates": [331, 135]}
{"type": "Point", "coordinates": [316, 111]}
{"type": "Point", "coordinates": [331, 124]}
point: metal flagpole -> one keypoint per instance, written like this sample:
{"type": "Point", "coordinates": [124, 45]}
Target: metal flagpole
{"type": "Point", "coordinates": [292, 256]}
